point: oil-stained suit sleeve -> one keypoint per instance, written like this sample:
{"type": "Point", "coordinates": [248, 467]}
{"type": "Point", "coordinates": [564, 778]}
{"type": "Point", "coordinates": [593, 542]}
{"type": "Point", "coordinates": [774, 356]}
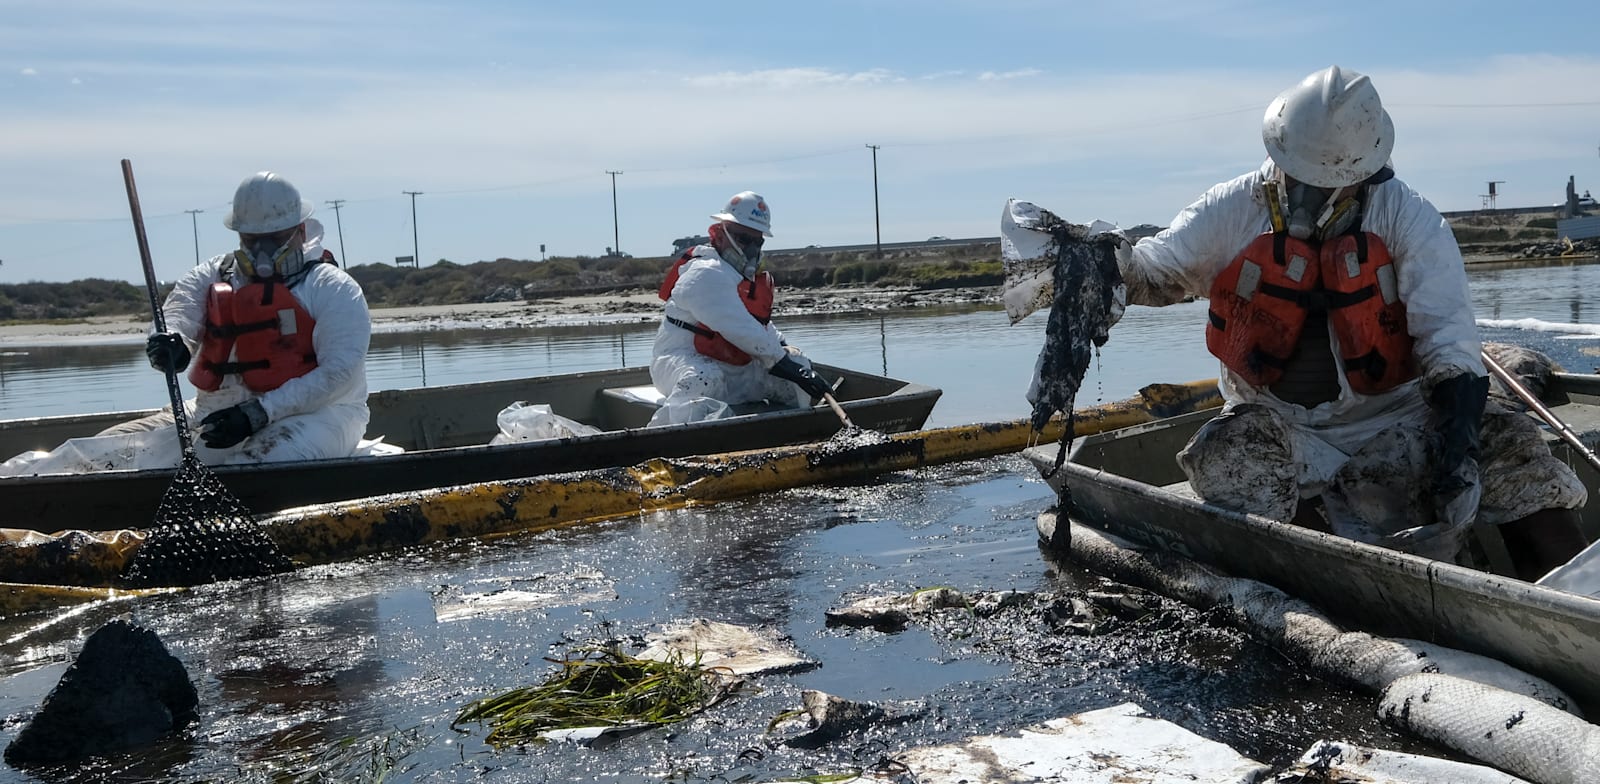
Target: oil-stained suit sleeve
{"type": "Point", "coordinates": [1183, 259]}
{"type": "Point", "coordinates": [185, 307]}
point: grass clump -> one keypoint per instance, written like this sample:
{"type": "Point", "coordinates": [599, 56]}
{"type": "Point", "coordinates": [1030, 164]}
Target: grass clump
{"type": "Point", "coordinates": [600, 687]}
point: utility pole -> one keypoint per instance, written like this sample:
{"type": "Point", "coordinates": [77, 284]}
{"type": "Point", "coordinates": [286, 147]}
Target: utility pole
{"type": "Point", "coordinates": [340, 224]}
{"type": "Point", "coordinates": [616, 236]}
{"type": "Point", "coordinates": [194, 223]}
{"type": "Point", "coordinates": [416, 258]}
{"type": "Point", "coordinates": [877, 223]}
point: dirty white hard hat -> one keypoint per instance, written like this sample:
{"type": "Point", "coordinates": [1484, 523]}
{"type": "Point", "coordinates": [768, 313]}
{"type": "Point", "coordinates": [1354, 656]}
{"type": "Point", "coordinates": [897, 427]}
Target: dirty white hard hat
{"type": "Point", "coordinates": [265, 203]}
{"type": "Point", "coordinates": [747, 209]}
{"type": "Point", "coordinates": [1330, 130]}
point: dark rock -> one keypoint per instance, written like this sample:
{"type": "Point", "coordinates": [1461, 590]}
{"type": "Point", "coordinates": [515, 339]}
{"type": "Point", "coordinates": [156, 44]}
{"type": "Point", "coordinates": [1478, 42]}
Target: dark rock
{"type": "Point", "coordinates": [124, 691]}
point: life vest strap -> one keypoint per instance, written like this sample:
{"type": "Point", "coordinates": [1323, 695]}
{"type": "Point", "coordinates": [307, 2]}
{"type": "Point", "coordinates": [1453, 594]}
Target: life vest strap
{"type": "Point", "coordinates": [1371, 363]}
{"type": "Point", "coordinates": [224, 368]}
{"type": "Point", "coordinates": [1323, 300]}
{"type": "Point", "coordinates": [692, 327]}
{"type": "Point", "coordinates": [235, 330]}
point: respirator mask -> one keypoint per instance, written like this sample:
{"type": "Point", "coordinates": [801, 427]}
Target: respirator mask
{"type": "Point", "coordinates": [1308, 212]}
{"type": "Point", "coordinates": [740, 249]}
{"type": "Point", "coordinates": [278, 255]}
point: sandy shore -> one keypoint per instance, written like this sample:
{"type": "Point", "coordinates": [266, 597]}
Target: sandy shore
{"type": "Point", "coordinates": [638, 306]}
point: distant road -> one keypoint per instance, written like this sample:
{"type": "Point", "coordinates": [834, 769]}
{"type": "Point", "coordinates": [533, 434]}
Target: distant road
{"type": "Point", "coordinates": [885, 246]}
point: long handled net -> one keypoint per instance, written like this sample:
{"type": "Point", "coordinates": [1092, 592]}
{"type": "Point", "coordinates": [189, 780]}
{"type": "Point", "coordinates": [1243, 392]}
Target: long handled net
{"type": "Point", "coordinates": [202, 531]}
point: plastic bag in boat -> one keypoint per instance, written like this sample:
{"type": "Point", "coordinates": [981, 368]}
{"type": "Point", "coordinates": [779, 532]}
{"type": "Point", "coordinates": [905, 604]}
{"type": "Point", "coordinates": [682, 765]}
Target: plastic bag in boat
{"type": "Point", "coordinates": [521, 421]}
{"type": "Point", "coordinates": [147, 449]}
{"type": "Point", "coordinates": [682, 409]}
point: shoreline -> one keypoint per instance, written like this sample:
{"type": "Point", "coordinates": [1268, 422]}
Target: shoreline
{"type": "Point", "coordinates": [635, 306]}
{"type": "Point", "coordinates": [626, 307]}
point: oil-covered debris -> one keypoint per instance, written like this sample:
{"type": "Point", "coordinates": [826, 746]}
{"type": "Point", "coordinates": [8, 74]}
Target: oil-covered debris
{"type": "Point", "coordinates": [87, 558]}
{"type": "Point", "coordinates": [725, 648]}
{"type": "Point", "coordinates": [1329, 762]}
{"type": "Point", "coordinates": [852, 444]}
{"type": "Point", "coordinates": [1088, 612]}
{"type": "Point", "coordinates": [892, 613]}
{"type": "Point", "coordinates": [602, 688]}
{"type": "Point", "coordinates": [202, 534]}
{"type": "Point", "coordinates": [542, 591]}
{"type": "Point", "coordinates": [1086, 292]}
{"type": "Point", "coordinates": [123, 691]}
{"type": "Point", "coordinates": [824, 718]}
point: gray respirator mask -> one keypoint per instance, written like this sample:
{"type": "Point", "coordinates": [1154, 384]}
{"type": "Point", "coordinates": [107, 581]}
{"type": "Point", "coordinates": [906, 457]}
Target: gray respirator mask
{"type": "Point", "coordinates": [1313, 213]}
{"type": "Point", "coordinates": [743, 253]}
{"type": "Point", "coordinates": [263, 257]}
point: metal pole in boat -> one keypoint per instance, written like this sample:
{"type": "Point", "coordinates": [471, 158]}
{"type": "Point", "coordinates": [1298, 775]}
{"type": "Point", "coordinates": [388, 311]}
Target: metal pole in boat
{"type": "Point", "coordinates": [1539, 408]}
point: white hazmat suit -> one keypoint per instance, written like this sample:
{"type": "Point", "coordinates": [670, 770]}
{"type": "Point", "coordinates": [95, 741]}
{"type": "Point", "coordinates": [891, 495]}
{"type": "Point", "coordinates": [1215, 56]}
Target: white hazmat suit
{"type": "Point", "coordinates": [321, 414]}
{"type": "Point", "coordinates": [696, 386]}
{"type": "Point", "coordinates": [1184, 260]}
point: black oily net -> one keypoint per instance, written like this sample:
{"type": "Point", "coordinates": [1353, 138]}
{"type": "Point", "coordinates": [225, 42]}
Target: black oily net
{"type": "Point", "coordinates": [202, 533]}
{"type": "Point", "coordinates": [1085, 275]}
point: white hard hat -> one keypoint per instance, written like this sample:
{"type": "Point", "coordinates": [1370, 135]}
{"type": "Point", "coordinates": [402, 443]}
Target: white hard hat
{"type": "Point", "coordinates": [748, 209]}
{"type": "Point", "coordinates": [265, 203]}
{"type": "Point", "coordinates": [1330, 130]}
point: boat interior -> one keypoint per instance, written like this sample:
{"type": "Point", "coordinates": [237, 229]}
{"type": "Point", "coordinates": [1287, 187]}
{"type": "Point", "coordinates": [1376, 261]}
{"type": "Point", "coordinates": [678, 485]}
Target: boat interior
{"type": "Point", "coordinates": [1146, 453]}
{"type": "Point", "coordinates": [464, 414]}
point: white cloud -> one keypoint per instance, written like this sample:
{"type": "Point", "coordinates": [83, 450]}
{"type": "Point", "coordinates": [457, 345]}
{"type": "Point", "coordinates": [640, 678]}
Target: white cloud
{"type": "Point", "coordinates": [29, 72]}
{"type": "Point", "coordinates": [991, 76]}
{"type": "Point", "coordinates": [1131, 147]}
{"type": "Point", "coordinates": [790, 78]}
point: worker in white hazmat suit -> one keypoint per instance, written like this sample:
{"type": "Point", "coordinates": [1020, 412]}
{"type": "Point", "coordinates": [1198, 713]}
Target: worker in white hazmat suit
{"type": "Point", "coordinates": [717, 346]}
{"type": "Point", "coordinates": [1352, 375]}
{"type": "Point", "coordinates": [273, 335]}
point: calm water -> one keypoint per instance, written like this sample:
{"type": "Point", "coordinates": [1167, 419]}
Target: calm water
{"type": "Point", "coordinates": [288, 668]}
{"type": "Point", "coordinates": [982, 363]}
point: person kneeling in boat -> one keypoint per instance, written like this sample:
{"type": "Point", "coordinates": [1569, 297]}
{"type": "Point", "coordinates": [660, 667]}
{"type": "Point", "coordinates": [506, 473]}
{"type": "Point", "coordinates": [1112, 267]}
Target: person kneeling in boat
{"type": "Point", "coordinates": [278, 337]}
{"type": "Point", "coordinates": [1352, 366]}
{"type": "Point", "coordinates": [717, 346]}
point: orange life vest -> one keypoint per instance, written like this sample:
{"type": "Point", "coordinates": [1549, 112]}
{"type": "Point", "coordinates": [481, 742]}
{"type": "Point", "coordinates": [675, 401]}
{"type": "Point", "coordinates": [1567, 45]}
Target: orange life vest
{"type": "Point", "coordinates": [1259, 305]}
{"type": "Point", "coordinates": [755, 294]}
{"type": "Point", "coordinates": [265, 331]}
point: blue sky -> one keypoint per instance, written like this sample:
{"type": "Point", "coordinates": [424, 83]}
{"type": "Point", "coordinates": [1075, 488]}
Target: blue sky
{"type": "Point", "coordinates": [506, 115]}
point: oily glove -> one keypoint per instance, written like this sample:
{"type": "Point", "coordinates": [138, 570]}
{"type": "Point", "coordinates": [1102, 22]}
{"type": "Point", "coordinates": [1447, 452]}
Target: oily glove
{"type": "Point", "coordinates": [808, 380]}
{"type": "Point", "coordinates": [167, 352]}
{"type": "Point", "coordinates": [1457, 404]}
{"type": "Point", "coordinates": [222, 429]}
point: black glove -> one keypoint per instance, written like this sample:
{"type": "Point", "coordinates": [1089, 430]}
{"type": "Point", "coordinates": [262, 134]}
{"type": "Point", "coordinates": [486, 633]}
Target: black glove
{"type": "Point", "coordinates": [1457, 404]}
{"type": "Point", "coordinates": [808, 380]}
{"type": "Point", "coordinates": [222, 429]}
{"type": "Point", "coordinates": [167, 352]}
